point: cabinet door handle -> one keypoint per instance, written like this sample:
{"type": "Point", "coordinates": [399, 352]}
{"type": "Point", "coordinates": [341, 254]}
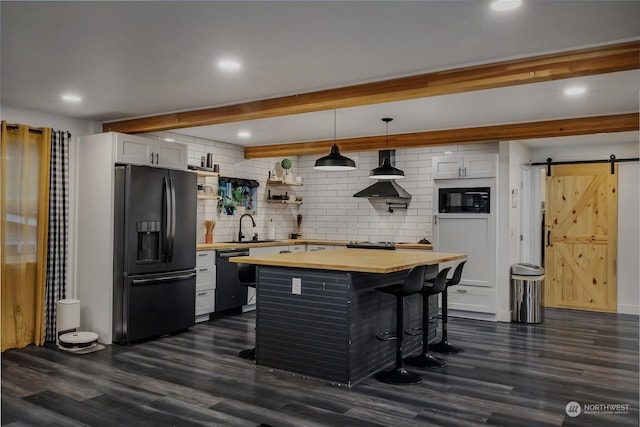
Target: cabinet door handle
{"type": "Point", "coordinates": [203, 254]}
{"type": "Point", "coordinates": [204, 269]}
{"type": "Point", "coordinates": [459, 172]}
{"type": "Point", "coordinates": [461, 291]}
{"type": "Point", "coordinates": [465, 172]}
{"type": "Point", "coordinates": [201, 293]}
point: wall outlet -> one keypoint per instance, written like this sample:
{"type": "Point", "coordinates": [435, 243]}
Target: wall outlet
{"type": "Point", "coordinates": [296, 286]}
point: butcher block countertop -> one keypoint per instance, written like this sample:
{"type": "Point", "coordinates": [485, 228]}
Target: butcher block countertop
{"type": "Point", "coordinates": [287, 242]}
{"type": "Point", "coordinates": [361, 260]}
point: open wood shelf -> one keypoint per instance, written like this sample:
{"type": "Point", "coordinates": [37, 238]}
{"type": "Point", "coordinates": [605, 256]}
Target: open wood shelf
{"type": "Point", "coordinates": [207, 173]}
{"type": "Point", "coordinates": [285, 202]}
{"type": "Point", "coordinates": [280, 182]}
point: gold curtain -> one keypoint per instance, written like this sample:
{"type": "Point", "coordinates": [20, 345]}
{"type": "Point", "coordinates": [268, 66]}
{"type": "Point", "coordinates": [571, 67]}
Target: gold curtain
{"type": "Point", "coordinates": [24, 204]}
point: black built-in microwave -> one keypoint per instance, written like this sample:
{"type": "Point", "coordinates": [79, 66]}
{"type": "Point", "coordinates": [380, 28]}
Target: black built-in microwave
{"type": "Point", "coordinates": [464, 200]}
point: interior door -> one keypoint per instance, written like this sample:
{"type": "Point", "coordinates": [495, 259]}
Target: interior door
{"type": "Point", "coordinates": [581, 231]}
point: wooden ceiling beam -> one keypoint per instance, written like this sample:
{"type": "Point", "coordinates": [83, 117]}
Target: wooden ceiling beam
{"type": "Point", "coordinates": [507, 132]}
{"type": "Point", "coordinates": [562, 65]}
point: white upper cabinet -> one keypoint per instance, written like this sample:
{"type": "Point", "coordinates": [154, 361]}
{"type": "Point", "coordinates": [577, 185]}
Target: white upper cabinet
{"type": "Point", "coordinates": [171, 155]}
{"type": "Point", "coordinates": [150, 151]}
{"type": "Point", "coordinates": [471, 166]}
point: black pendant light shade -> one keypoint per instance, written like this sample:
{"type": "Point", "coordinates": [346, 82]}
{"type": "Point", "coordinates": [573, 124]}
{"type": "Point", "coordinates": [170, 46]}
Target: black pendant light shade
{"type": "Point", "coordinates": [334, 161]}
{"type": "Point", "coordinates": [386, 171]}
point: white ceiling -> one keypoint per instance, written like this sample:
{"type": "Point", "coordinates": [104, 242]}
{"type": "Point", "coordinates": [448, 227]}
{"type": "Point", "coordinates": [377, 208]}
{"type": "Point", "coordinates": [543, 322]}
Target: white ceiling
{"type": "Point", "coordinates": [132, 59]}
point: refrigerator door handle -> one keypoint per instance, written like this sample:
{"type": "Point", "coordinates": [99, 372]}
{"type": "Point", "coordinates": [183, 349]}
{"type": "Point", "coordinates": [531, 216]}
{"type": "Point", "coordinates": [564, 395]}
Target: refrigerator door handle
{"type": "Point", "coordinates": [172, 223]}
{"type": "Point", "coordinates": [167, 217]}
{"type": "Point", "coordinates": [163, 279]}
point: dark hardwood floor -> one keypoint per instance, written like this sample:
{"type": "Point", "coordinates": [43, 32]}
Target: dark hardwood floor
{"type": "Point", "coordinates": [510, 374]}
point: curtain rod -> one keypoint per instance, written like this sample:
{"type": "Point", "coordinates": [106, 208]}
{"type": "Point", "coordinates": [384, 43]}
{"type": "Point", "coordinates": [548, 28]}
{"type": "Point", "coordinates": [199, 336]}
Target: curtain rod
{"type": "Point", "coordinates": [31, 130]}
{"type": "Point", "coordinates": [612, 160]}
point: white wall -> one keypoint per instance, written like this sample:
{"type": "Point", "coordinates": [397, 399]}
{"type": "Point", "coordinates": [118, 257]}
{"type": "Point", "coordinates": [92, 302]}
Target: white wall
{"type": "Point", "coordinates": [628, 210]}
{"type": "Point", "coordinates": [511, 199]}
{"type": "Point", "coordinates": [628, 238]}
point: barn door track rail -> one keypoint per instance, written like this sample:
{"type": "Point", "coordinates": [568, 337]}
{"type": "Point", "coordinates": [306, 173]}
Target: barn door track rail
{"type": "Point", "coordinates": [612, 160]}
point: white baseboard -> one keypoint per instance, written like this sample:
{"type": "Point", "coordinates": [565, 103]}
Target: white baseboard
{"type": "Point", "coordinates": [473, 315]}
{"type": "Point", "coordinates": [628, 309]}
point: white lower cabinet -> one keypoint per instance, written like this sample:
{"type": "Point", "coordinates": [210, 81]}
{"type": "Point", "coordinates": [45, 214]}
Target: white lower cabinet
{"type": "Point", "coordinates": [472, 298]}
{"type": "Point", "coordinates": [473, 234]}
{"type": "Point", "coordinates": [205, 284]}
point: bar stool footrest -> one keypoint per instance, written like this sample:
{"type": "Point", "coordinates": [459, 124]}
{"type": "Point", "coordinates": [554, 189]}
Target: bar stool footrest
{"type": "Point", "coordinates": [413, 331]}
{"type": "Point", "coordinates": [387, 336]}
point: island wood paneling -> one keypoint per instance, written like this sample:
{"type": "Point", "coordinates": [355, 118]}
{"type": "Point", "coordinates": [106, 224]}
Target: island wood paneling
{"type": "Point", "coordinates": [329, 330]}
{"type": "Point", "coordinates": [561, 65]}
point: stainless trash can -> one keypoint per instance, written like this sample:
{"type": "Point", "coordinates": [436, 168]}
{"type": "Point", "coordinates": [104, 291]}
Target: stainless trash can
{"type": "Point", "coordinates": [526, 293]}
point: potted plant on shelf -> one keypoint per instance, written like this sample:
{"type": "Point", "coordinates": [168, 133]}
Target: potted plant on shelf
{"type": "Point", "coordinates": [286, 166]}
{"type": "Point", "coordinates": [239, 195]}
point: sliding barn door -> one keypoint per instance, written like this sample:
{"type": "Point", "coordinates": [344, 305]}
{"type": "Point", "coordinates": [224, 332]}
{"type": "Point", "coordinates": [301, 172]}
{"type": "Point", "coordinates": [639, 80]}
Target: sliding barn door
{"type": "Point", "coordinates": [581, 231]}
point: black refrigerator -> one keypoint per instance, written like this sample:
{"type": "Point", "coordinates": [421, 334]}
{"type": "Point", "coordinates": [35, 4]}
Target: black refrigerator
{"type": "Point", "coordinates": [154, 252]}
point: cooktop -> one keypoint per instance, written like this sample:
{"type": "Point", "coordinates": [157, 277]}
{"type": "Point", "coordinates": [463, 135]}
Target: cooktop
{"type": "Point", "coordinates": [372, 245]}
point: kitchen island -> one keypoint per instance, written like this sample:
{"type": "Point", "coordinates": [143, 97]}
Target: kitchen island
{"type": "Point", "coordinates": [318, 313]}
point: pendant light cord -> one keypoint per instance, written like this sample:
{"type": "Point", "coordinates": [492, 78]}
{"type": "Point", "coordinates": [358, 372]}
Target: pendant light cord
{"type": "Point", "coordinates": [387, 120]}
{"type": "Point", "coordinates": [386, 138]}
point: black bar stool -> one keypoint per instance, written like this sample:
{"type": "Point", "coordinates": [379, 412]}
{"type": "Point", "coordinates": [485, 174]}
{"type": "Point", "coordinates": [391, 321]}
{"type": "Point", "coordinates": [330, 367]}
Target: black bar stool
{"type": "Point", "coordinates": [443, 345]}
{"type": "Point", "coordinates": [425, 360]}
{"type": "Point", "coordinates": [247, 277]}
{"type": "Point", "coordinates": [412, 285]}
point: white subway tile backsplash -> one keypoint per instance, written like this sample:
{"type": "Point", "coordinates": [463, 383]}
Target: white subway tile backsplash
{"type": "Point", "coordinates": [329, 209]}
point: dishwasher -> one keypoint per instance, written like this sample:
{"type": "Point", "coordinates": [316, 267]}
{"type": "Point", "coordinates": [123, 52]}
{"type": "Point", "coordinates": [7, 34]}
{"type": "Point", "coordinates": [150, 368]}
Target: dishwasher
{"type": "Point", "coordinates": [229, 293]}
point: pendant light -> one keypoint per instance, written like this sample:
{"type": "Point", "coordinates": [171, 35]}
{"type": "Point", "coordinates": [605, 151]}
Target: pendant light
{"type": "Point", "coordinates": [386, 171]}
{"type": "Point", "coordinates": [334, 161]}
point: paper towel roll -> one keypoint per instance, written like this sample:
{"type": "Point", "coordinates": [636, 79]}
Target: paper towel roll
{"type": "Point", "coordinates": [67, 314]}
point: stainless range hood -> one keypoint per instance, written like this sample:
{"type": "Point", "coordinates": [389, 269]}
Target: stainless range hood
{"type": "Point", "coordinates": [384, 189]}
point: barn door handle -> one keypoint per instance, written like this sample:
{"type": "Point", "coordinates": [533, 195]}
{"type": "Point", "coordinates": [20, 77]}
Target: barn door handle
{"type": "Point", "coordinates": [548, 237]}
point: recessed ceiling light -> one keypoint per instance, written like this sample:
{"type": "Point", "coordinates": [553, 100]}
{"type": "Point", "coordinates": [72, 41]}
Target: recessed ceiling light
{"type": "Point", "coordinates": [244, 134]}
{"type": "Point", "coordinates": [71, 98]}
{"type": "Point", "coordinates": [575, 90]}
{"type": "Point", "coordinates": [228, 64]}
{"type": "Point", "coordinates": [502, 5]}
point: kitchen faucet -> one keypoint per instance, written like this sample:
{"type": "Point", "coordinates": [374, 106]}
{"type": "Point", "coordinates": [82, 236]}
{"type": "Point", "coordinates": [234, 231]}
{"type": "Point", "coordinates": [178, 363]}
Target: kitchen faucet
{"type": "Point", "coordinates": [240, 235]}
